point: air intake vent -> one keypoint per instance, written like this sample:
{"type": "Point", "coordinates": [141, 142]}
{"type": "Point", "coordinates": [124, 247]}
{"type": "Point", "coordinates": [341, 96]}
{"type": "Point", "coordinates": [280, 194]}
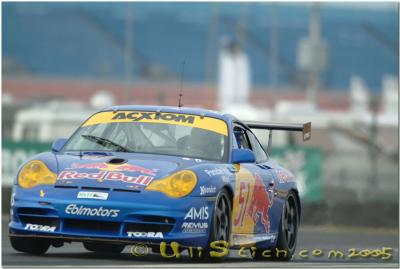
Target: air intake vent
{"type": "Point", "coordinates": [36, 211]}
{"type": "Point", "coordinates": [117, 161]}
{"type": "Point", "coordinates": [65, 186]}
{"type": "Point", "coordinates": [95, 188]}
{"type": "Point", "coordinates": [126, 190]}
{"type": "Point", "coordinates": [91, 226]}
{"type": "Point", "coordinates": [140, 227]}
{"type": "Point", "coordinates": [53, 222]}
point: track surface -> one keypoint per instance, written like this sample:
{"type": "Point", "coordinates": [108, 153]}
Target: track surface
{"type": "Point", "coordinates": [310, 238]}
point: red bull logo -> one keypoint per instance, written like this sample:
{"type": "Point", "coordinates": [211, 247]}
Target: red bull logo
{"type": "Point", "coordinates": [114, 167]}
{"type": "Point", "coordinates": [106, 175]}
{"type": "Point", "coordinates": [260, 204]}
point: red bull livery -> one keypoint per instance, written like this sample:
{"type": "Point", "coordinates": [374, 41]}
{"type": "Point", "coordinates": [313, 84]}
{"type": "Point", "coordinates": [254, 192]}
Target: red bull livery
{"type": "Point", "coordinates": [156, 176]}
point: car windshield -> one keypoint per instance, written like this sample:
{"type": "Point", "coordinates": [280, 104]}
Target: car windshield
{"type": "Point", "coordinates": [153, 132]}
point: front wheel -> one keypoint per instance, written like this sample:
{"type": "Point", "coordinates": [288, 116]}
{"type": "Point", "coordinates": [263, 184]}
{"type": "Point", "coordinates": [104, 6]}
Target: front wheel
{"type": "Point", "coordinates": [287, 236]}
{"type": "Point", "coordinates": [220, 223]}
{"type": "Point", "coordinates": [30, 245]}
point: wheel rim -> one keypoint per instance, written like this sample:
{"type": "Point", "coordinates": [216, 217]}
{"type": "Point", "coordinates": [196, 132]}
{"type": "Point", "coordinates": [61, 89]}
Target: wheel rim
{"type": "Point", "coordinates": [221, 223]}
{"type": "Point", "coordinates": [290, 222]}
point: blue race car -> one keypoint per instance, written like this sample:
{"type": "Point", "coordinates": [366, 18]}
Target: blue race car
{"type": "Point", "coordinates": [157, 175]}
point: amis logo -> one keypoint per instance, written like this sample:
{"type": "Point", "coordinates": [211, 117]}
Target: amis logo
{"type": "Point", "coordinates": [197, 214]}
{"type": "Point", "coordinates": [139, 116]}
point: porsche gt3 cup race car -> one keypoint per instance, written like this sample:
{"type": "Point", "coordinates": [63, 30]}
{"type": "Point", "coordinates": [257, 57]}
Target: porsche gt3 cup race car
{"type": "Point", "coordinates": [157, 175]}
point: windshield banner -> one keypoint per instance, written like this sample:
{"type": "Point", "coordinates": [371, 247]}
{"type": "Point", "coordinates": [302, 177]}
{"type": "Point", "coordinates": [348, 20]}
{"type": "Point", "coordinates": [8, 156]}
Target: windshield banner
{"type": "Point", "coordinates": [202, 122]}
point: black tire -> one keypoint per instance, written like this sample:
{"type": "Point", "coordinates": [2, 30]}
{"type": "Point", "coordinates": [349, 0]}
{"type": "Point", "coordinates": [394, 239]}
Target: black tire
{"type": "Point", "coordinates": [287, 235]}
{"type": "Point", "coordinates": [104, 247]}
{"type": "Point", "coordinates": [30, 245]}
{"type": "Point", "coordinates": [220, 225]}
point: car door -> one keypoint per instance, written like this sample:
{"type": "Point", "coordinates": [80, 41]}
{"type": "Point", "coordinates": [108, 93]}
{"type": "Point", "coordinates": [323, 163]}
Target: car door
{"type": "Point", "coordinates": [265, 189]}
{"type": "Point", "coordinates": [252, 199]}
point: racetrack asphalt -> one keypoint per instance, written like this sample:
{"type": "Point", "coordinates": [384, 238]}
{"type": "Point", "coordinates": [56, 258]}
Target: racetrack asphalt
{"type": "Point", "coordinates": [310, 239]}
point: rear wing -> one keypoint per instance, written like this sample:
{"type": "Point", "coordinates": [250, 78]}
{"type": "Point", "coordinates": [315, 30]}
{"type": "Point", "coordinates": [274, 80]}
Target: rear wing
{"type": "Point", "coordinates": [292, 127]}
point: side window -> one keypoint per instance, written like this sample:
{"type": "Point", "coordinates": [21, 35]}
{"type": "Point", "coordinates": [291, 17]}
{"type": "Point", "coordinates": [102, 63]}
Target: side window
{"type": "Point", "coordinates": [241, 139]}
{"type": "Point", "coordinates": [259, 152]}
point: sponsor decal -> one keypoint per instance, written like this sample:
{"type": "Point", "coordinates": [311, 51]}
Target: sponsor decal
{"type": "Point", "coordinates": [104, 175]}
{"type": "Point", "coordinates": [207, 190]}
{"type": "Point", "coordinates": [114, 167]}
{"type": "Point", "coordinates": [200, 214]}
{"type": "Point", "coordinates": [208, 123]}
{"type": "Point", "coordinates": [194, 227]}
{"type": "Point", "coordinates": [92, 195]}
{"type": "Point", "coordinates": [39, 228]}
{"type": "Point", "coordinates": [265, 237]}
{"type": "Point", "coordinates": [242, 239]}
{"type": "Point", "coordinates": [284, 176]}
{"type": "Point", "coordinates": [217, 172]}
{"type": "Point", "coordinates": [260, 203]}
{"type": "Point", "coordinates": [73, 209]}
{"type": "Point", "coordinates": [246, 239]}
{"type": "Point", "coordinates": [145, 234]}
{"type": "Point", "coordinates": [139, 116]}
{"type": "Point", "coordinates": [225, 179]}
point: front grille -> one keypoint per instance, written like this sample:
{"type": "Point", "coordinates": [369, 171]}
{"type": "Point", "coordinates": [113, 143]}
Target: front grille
{"type": "Point", "coordinates": [39, 220]}
{"type": "Point", "coordinates": [141, 227]}
{"type": "Point", "coordinates": [155, 219]}
{"type": "Point", "coordinates": [91, 226]}
{"type": "Point", "coordinates": [66, 186]}
{"type": "Point", "coordinates": [33, 211]}
{"type": "Point", "coordinates": [132, 223]}
{"type": "Point", "coordinates": [95, 188]}
{"type": "Point", "coordinates": [37, 211]}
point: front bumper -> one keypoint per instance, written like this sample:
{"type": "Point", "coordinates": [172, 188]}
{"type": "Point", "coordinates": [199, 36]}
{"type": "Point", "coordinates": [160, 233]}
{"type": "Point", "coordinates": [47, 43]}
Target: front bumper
{"type": "Point", "coordinates": [125, 217]}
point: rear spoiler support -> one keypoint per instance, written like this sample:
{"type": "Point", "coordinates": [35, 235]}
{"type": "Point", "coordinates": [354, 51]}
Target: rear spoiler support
{"type": "Point", "coordinates": [304, 128]}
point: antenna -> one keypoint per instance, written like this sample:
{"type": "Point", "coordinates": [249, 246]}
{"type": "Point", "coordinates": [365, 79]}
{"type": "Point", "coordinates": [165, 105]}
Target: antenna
{"type": "Point", "coordinates": [180, 91]}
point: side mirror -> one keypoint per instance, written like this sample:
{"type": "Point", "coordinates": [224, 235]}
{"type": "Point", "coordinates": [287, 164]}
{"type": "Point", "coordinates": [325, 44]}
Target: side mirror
{"type": "Point", "coordinates": [58, 144]}
{"type": "Point", "coordinates": [243, 156]}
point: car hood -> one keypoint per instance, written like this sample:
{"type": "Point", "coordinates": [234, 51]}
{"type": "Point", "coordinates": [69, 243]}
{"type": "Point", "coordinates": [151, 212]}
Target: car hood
{"type": "Point", "coordinates": [127, 171]}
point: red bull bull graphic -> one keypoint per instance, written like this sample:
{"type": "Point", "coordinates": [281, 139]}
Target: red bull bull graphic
{"type": "Point", "coordinates": [260, 204]}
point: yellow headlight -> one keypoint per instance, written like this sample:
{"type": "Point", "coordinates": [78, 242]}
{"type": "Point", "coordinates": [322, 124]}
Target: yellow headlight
{"type": "Point", "coordinates": [176, 185]}
{"type": "Point", "coordinates": [35, 173]}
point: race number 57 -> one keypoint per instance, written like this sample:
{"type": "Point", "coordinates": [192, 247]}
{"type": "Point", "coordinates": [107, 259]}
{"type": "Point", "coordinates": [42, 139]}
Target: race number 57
{"type": "Point", "coordinates": [244, 191]}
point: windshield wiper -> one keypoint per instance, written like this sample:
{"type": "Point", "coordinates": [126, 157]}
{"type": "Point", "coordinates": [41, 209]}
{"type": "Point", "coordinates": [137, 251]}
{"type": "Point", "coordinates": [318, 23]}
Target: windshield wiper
{"type": "Point", "coordinates": [105, 142]}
